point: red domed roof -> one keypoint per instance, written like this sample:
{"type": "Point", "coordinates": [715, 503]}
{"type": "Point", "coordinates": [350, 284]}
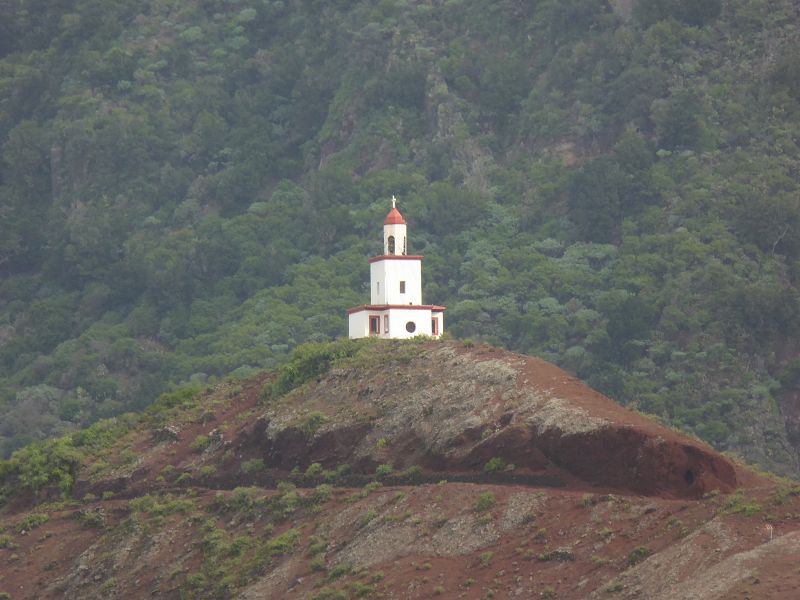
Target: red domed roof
{"type": "Point", "coordinates": [394, 218]}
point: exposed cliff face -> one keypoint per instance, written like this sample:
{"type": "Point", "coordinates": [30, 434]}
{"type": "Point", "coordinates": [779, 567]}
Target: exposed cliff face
{"type": "Point", "coordinates": [451, 409]}
{"type": "Point", "coordinates": [591, 499]}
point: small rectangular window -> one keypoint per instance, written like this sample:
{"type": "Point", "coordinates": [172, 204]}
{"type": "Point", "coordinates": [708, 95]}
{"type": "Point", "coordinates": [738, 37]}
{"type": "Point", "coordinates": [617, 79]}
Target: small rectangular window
{"type": "Point", "coordinates": [385, 323]}
{"type": "Point", "coordinates": [402, 287]}
{"type": "Point", "coordinates": [374, 325]}
{"type": "Point", "coordinates": [378, 287]}
{"type": "Point", "coordinates": [434, 326]}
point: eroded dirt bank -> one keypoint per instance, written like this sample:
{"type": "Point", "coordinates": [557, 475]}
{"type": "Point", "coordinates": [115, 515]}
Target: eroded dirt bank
{"type": "Point", "coordinates": [450, 409]}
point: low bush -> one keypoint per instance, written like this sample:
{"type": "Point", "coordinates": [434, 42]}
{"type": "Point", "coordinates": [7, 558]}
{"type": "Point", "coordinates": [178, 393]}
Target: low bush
{"type": "Point", "coordinates": [253, 465]}
{"type": "Point", "coordinates": [200, 443]}
{"type": "Point", "coordinates": [485, 502]}
{"type": "Point", "coordinates": [638, 554]}
{"type": "Point", "coordinates": [307, 362]}
{"type": "Point", "coordinates": [494, 464]}
{"type": "Point", "coordinates": [32, 521]}
{"type": "Point", "coordinates": [560, 555]}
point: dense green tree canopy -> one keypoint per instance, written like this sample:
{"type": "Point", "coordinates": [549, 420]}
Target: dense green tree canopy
{"type": "Point", "coordinates": [191, 189]}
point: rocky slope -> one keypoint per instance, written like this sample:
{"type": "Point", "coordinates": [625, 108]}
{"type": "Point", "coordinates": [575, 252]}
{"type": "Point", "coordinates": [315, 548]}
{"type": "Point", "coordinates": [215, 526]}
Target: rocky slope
{"type": "Point", "coordinates": [404, 470]}
{"type": "Point", "coordinates": [449, 410]}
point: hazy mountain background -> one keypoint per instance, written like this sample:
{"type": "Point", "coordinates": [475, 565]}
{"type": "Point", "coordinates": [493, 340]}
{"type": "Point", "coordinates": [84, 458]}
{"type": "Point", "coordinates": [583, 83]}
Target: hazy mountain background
{"type": "Point", "coordinates": [189, 189]}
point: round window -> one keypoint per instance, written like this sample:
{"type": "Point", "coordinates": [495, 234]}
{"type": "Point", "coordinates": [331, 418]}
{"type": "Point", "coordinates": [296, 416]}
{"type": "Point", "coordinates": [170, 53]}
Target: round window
{"type": "Point", "coordinates": [411, 327]}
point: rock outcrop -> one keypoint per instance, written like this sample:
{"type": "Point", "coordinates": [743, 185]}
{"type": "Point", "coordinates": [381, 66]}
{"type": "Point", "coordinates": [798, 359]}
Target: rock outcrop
{"type": "Point", "coordinates": [454, 409]}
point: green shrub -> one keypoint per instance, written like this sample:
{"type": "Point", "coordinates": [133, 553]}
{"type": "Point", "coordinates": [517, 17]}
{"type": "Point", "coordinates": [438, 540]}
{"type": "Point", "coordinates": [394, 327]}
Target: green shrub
{"type": "Point", "coordinates": [316, 545]}
{"type": "Point", "coordinates": [92, 518]}
{"type": "Point", "coordinates": [243, 498]}
{"type": "Point", "coordinates": [485, 502]}
{"type": "Point", "coordinates": [525, 553]}
{"type": "Point", "coordinates": [45, 464]}
{"type": "Point", "coordinates": [32, 521]}
{"type": "Point", "coordinates": [736, 504]}
{"type": "Point", "coordinates": [638, 554]}
{"type": "Point", "coordinates": [783, 492]}
{"type": "Point", "coordinates": [307, 362]}
{"type": "Point", "coordinates": [317, 564]}
{"type": "Point", "coordinates": [329, 593]}
{"type": "Point", "coordinates": [383, 470]}
{"type": "Point", "coordinates": [165, 505]}
{"type": "Point", "coordinates": [312, 423]}
{"type": "Point", "coordinates": [339, 571]}
{"type": "Point", "coordinates": [313, 470]}
{"type": "Point", "coordinates": [207, 471]}
{"type": "Point", "coordinates": [284, 543]}
{"type": "Point", "coordinates": [372, 486]}
{"type": "Point", "coordinates": [361, 590]}
{"type": "Point", "coordinates": [370, 516]}
{"type": "Point", "coordinates": [180, 397]}
{"type": "Point", "coordinates": [605, 532]}
{"type": "Point", "coordinates": [486, 558]}
{"type": "Point", "coordinates": [411, 473]}
{"type": "Point", "coordinates": [337, 474]}
{"type": "Point", "coordinates": [195, 582]}
{"type": "Point", "coordinates": [494, 464]}
{"type": "Point", "coordinates": [322, 493]}
{"type": "Point", "coordinates": [288, 502]}
{"type": "Point", "coordinates": [560, 555]}
{"type": "Point", "coordinates": [253, 465]}
{"type": "Point", "coordinates": [200, 443]}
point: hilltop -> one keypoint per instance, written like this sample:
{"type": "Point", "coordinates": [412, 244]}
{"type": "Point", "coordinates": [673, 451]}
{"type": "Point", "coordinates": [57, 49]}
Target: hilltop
{"type": "Point", "coordinates": [392, 470]}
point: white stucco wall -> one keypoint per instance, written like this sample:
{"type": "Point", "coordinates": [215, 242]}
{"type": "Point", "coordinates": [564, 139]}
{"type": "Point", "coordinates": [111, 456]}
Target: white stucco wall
{"type": "Point", "coordinates": [400, 241]}
{"type": "Point", "coordinates": [385, 278]}
{"type": "Point", "coordinates": [358, 324]}
{"type": "Point", "coordinates": [398, 319]}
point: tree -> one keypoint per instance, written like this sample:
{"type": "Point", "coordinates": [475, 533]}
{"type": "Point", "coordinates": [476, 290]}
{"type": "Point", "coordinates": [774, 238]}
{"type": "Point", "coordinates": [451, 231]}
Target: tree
{"type": "Point", "coordinates": [595, 200]}
{"type": "Point", "coordinates": [690, 12]}
{"type": "Point", "coordinates": [678, 120]}
{"type": "Point", "coordinates": [786, 72]}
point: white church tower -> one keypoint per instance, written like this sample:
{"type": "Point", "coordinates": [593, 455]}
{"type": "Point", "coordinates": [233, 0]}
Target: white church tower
{"type": "Point", "coordinates": [395, 309]}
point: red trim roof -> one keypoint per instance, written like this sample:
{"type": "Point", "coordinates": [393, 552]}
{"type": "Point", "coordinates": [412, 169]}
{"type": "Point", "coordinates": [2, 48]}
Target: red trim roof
{"type": "Point", "coordinates": [382, 307]}
{"type": "Point", "coordinates": [396, 257]}
{"type": "Point", "coordinates": [394, 218]}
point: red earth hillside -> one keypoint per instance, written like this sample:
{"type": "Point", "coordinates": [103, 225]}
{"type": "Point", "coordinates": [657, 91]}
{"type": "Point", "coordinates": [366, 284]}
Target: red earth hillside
{"type": "Point", "coordinates": [405, 471]}
{"type": "Point", "coordinates": [450, 408]}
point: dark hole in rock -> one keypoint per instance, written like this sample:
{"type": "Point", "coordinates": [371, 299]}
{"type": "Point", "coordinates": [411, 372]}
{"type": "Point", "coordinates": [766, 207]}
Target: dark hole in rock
{"type": "Point", "coordinates": [688, 477]}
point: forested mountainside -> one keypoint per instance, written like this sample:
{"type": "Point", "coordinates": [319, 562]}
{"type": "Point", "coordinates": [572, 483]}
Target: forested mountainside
{"type": "Point", "coordinates": [189, 189]}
